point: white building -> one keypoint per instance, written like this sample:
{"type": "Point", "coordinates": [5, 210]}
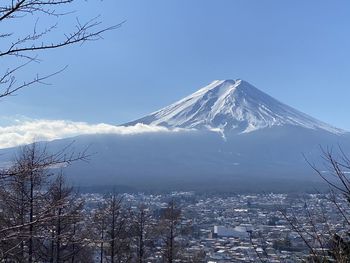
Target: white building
{"type": "Point", "coordinates": [236, 232]}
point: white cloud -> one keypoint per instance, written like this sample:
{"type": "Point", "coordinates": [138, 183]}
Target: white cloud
{"type": "Point", "coordinates": [27, 131]}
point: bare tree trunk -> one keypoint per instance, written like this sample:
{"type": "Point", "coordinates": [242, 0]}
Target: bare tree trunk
{"type": "Point", "coordinates": [169, 221]}
{"type": "Point", "coordinates": [141, 236]}
{"type": "Point", "coordinates": [58, 227]}
{"type": "Point", "coordinates": [22, 216]}
{"type": "Point", "coordinates": [102, 238]}
{"type": "Point", "coordinates": [140, 224]}
{"type": "Point", "coordinates": [73, 246]}
{"type": "Point", "coordinates": [52, 251]}
{"type": "Point", "coordinates": [113, 228]}
{"type": "Point", "coordinates": [171, 246]}
{"type": "Point", "coordinates": [31, 214]}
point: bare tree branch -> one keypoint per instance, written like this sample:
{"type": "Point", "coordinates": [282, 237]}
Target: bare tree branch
{"type": "Point", "coordinates": [29, 45]}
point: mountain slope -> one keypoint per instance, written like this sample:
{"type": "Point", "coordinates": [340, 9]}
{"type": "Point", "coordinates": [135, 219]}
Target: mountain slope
{"type": "Point", "coordinates": [231, 105]}
{"type": "Point", "coordinates": [264, 160]}
{"type": "Point", "coordinates": [197, 158]}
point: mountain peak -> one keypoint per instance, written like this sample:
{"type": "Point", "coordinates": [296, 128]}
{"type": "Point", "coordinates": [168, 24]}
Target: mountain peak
{"type": "Point", "coordinates": [231, 105]}
{"type": "Point", "coordinates": [226, 82]}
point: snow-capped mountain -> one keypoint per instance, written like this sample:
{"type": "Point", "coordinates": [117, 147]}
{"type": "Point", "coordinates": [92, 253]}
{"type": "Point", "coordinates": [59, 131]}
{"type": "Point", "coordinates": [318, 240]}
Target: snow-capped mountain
{"type": "Point", "coordinates": [231, 105]}
{"type": "Point", "coordinates": [234, 138]}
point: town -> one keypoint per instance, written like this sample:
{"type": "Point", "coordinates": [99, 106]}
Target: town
{"type": "Point", "coordinates": [243, 227]}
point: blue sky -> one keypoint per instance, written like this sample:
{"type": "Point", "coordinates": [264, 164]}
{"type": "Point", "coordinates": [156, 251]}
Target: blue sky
{"type": "Point", "coordinates": [296, 51]}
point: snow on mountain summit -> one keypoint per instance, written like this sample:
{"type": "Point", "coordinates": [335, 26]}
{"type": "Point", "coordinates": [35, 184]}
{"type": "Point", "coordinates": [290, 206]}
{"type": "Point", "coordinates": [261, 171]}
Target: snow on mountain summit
{"type": "Point", "coordinates": [231, 105]}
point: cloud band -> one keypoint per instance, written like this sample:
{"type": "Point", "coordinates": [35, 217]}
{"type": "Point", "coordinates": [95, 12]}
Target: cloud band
{"type": "Point", "coordinates": [28, 131]}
